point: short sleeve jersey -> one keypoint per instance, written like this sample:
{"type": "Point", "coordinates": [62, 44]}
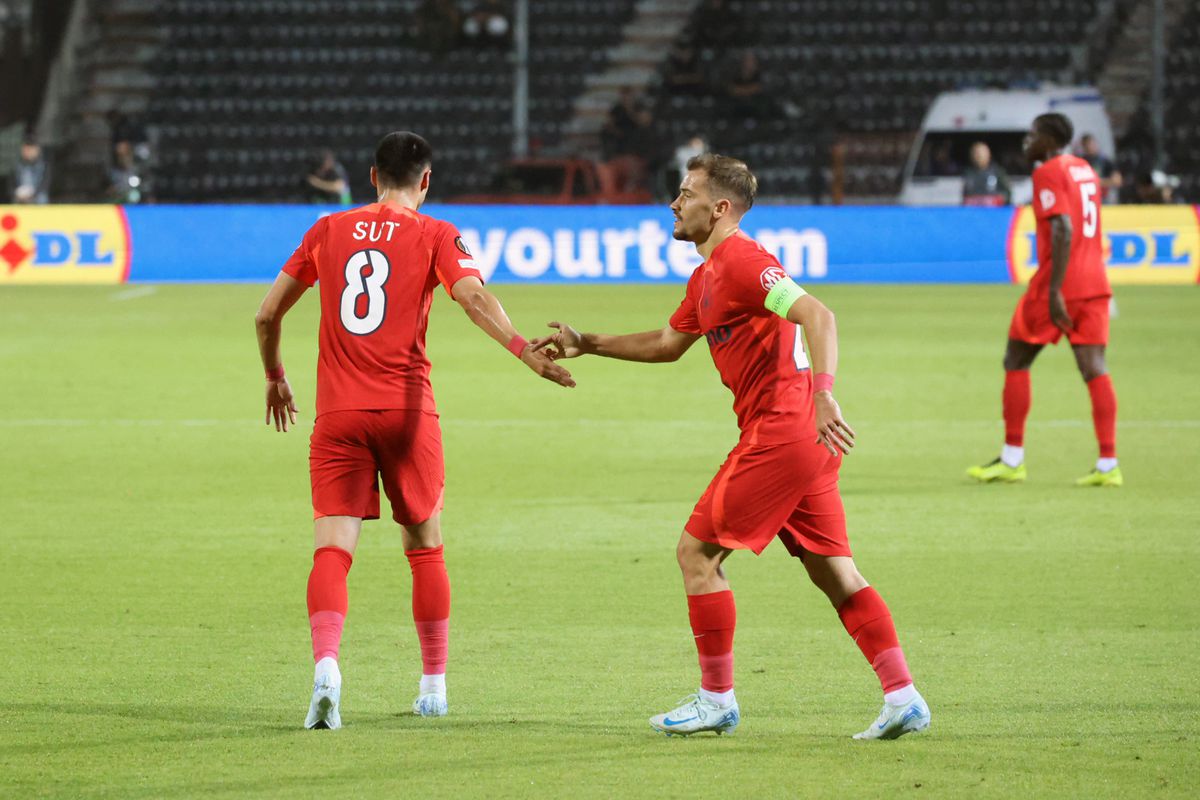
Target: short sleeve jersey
{"type": "Point", "coordinates": [377, 266]}
{"type": "Point", "coordinates": [1067, 185]}
{"type": "Point", "coordinates": [759, 354]}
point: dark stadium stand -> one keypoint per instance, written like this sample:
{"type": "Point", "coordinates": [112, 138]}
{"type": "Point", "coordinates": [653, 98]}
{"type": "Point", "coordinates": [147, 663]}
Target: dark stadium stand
{"type": "Point", "coordinates": [243, 101]}
{"type": "Point", "coordinates": [1183, 95]}
{"type": "Point", "coordinates": [246, 91]}
{"type": "Point", "coordinates": [864, 72]}
{"type": "Point", "coordinates": [1182, 117]}
{"type": "Point", "coordinates": [568, 39]}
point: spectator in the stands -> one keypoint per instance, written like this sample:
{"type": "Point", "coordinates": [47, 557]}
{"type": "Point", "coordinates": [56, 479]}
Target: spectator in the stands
{"type": "Point", "coordinates": [942, 163]}
{"type": "Point", "coordinates": [1154, 187]}
{"type": "Point", "coordinates": [128, 177]}
{"type": "Point", "coordinates": [621, 123]}
{"type": "Point", "coordinates": [438, 22]}
{"type": "Point", "coordinates": [1105, 169]}
{"type": "Point", "coordinates": [31, 176]}
{"type": "Point", "coordinates": [123, 128]}
{"type": "Point", "coordinates": [748, 97]}
{"type": "Point", "coordinates": [628, 143]}
{"type": "Point", "coordinates": [327, 181]}
{"type": "Point", "coordinates": [487, 25]}
{"type": "Point", "coordinates": [683, 74]}
{"type": "Point", "coordinates": [985, 182]}
{"type": "Point", "coordinates": [746, 81]}
{"type": "Point", "coordinates": [820, 166]}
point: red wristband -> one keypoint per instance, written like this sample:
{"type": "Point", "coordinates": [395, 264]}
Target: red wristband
{"type": "Point", "coordinates": [822, 382]}
{"type": "Point", "coordinates": [517, 344]}
{"type": "Point", "coordinates": [275, 373]}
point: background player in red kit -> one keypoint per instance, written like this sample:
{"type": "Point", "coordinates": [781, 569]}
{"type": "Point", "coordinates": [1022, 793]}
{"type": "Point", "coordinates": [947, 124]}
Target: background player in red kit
{"type": "Point", "coordinates": [378, 267]}
{"type": "Point", "coordinates": [1068, 294]}
{"type": "Point", "coordinates": [781, 478]}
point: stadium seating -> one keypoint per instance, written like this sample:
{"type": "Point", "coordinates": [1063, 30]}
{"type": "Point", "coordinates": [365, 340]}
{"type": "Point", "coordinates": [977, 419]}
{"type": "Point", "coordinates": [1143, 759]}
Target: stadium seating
{"type": "Point", "coordinates": [249, 90]}
{"type": "Point", "coordinates": [1181, 129]}
{"type": "Point", "coordinates": [864, 72]}
{"type": "Point", "coordinates": [1182, 134]}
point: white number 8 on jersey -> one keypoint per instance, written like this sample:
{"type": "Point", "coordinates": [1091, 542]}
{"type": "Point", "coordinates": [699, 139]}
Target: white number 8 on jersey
{"type": "Point", "coordinates": [370, 285]}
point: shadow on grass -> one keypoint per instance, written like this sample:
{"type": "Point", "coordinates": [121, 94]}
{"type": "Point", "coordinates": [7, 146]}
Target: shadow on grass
{"type": "Point", "coordinates": [72, 727]}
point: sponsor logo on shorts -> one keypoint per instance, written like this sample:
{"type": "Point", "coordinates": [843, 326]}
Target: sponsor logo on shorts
{"type": "Point", "coordinates": [1142, 244]}
{"type": "Point", "coordinates": [63, 244]}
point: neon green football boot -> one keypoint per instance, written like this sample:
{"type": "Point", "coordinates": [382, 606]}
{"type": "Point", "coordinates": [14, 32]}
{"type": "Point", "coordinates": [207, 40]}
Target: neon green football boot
{"type": "Point", "coordinates": [1098, 478]}
{"type": "Point", "coordinates": [997, 472]}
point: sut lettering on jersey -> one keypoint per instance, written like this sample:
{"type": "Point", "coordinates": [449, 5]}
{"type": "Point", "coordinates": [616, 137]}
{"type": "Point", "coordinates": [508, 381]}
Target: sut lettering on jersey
{"type": "Point", "coordinates": [591, 244]}
{"type": "Point", "coordinates": [64, 244]}
{"type": "Point", "coordinates": [1142, 244]}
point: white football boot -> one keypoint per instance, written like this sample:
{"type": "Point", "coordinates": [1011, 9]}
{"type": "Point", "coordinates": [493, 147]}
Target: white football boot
{"type": "Point", "coordinates": [431, 704]}
{"type": "Point", "coordinates": [326, 697]}
{"type": "Point", "coordinates": [895, 721]}
{"type": "Point", "coordinates": [697, 714]}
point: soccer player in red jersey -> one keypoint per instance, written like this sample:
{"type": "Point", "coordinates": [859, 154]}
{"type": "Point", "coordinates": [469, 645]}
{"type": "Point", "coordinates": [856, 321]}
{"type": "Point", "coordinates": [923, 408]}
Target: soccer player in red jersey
{"type": "Point", "coordinates": [1068, 294]}
{"type": "Point", "coordinates": [781, 478]}
{"type": "Point", "coordinates": [378, 267]}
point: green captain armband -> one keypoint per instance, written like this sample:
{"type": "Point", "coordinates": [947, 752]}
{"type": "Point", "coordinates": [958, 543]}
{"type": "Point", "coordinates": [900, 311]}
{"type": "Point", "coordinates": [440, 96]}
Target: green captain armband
{"type": "Point", "coordinates": [781, 296]}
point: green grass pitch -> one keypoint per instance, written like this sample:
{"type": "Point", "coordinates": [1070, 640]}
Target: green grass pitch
{"type": "Point", "coordinates": [156, 540]}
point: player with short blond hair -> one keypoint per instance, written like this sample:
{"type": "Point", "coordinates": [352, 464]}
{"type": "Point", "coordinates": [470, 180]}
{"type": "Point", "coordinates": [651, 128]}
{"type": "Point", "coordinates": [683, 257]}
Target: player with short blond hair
{"type": "Point", "coordinates": [780, 481]}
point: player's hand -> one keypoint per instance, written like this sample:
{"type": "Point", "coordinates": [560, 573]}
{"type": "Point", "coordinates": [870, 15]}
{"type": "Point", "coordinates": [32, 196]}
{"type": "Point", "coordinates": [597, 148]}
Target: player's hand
{"type": "Point", "coordinates": [281, 404]}
{"type": "Point", "coordinates": [568, 342]}
{"type": "Point", "coordinates": [1058, 312]}
{"type": "Point", "coordinates": [541, 363]}
{"type": "Point", "coordinates": [832, 430]}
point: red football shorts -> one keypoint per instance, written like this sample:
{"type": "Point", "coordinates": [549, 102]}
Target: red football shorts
{"type": "Point", "coordinates": [351, 450]}
{"type": "Point", "coordinates": [1031, 321]}
{"type": "Point", "coordinates": [764, 491]}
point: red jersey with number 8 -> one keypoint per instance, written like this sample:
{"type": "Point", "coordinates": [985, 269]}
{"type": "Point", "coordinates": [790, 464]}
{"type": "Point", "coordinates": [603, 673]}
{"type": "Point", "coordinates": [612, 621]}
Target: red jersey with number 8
{"type": "Point", "coordinates": [377, 266]}
{"type": "Point", "coordinates": [1067, 185]}
{"type": "Point", "coordinates": [760, 355]}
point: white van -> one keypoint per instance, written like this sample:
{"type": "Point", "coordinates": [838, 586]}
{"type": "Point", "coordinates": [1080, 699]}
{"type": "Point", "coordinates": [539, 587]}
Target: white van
{"type": "Point", "coordinates": [1000, 118]}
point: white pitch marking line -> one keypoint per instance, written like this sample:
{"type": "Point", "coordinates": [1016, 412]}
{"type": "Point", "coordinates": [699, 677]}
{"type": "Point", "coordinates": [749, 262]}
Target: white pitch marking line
{"type": "Point", "coordinates": [134, 294]}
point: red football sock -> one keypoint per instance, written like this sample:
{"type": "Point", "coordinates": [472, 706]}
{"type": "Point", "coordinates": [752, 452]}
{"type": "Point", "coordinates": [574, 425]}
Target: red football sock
{"type": "Point", "coordinates": [713, 617]}
{"type": "Point", "coordinates": [869, 623]}
{"type": "Point", "coordinates": [1016, 406]}
{"type": "Point", "coordinates": [1104, 414]}
{"type": "Point", "coordinates": [431, 606]}
{"type": "Point", "coordinates": [327, 601]}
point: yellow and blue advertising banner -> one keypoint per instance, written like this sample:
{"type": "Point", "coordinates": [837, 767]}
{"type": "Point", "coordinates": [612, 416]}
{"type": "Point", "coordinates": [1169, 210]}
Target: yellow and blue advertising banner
{"type": "Point", "coordinates": [1142, 244]}
{"type": "Point", "coordinates": [64, 244]}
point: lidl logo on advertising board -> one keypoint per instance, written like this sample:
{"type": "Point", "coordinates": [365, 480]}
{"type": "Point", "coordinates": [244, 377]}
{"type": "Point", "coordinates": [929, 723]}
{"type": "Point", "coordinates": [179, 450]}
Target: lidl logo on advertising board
{"type": "Point", "coordinates": [1142, 244]}
{"type": "Point", "coordinates": [64, 244]}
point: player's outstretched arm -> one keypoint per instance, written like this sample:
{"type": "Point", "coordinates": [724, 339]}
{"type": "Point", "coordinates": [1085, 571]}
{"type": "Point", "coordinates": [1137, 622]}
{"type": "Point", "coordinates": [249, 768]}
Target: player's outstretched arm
{"type": "Point", "coordinates": [268, 322]}
{"type": "Point", "coordinates": [666, 344]}
{"type": "Point", "coordinates": [820, 329]}
{"type": "Point", "coordinates": [485, 311]}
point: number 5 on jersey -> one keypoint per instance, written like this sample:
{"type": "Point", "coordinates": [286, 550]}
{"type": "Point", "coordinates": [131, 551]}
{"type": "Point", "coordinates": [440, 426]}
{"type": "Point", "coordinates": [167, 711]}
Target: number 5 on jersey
{"type": "Point", "coordinates": [377, 268]}
{"type": "Point", "coordinates": [1091, 215]}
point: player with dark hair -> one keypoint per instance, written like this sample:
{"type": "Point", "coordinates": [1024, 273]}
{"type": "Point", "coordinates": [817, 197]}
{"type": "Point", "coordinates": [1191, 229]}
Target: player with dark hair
{"type": "Point", "coordinates": [378, 266]}
{"type": "Point", "coordinates": [1068, 294]}
{"type": "Point", "coordinates": [781, 478]}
